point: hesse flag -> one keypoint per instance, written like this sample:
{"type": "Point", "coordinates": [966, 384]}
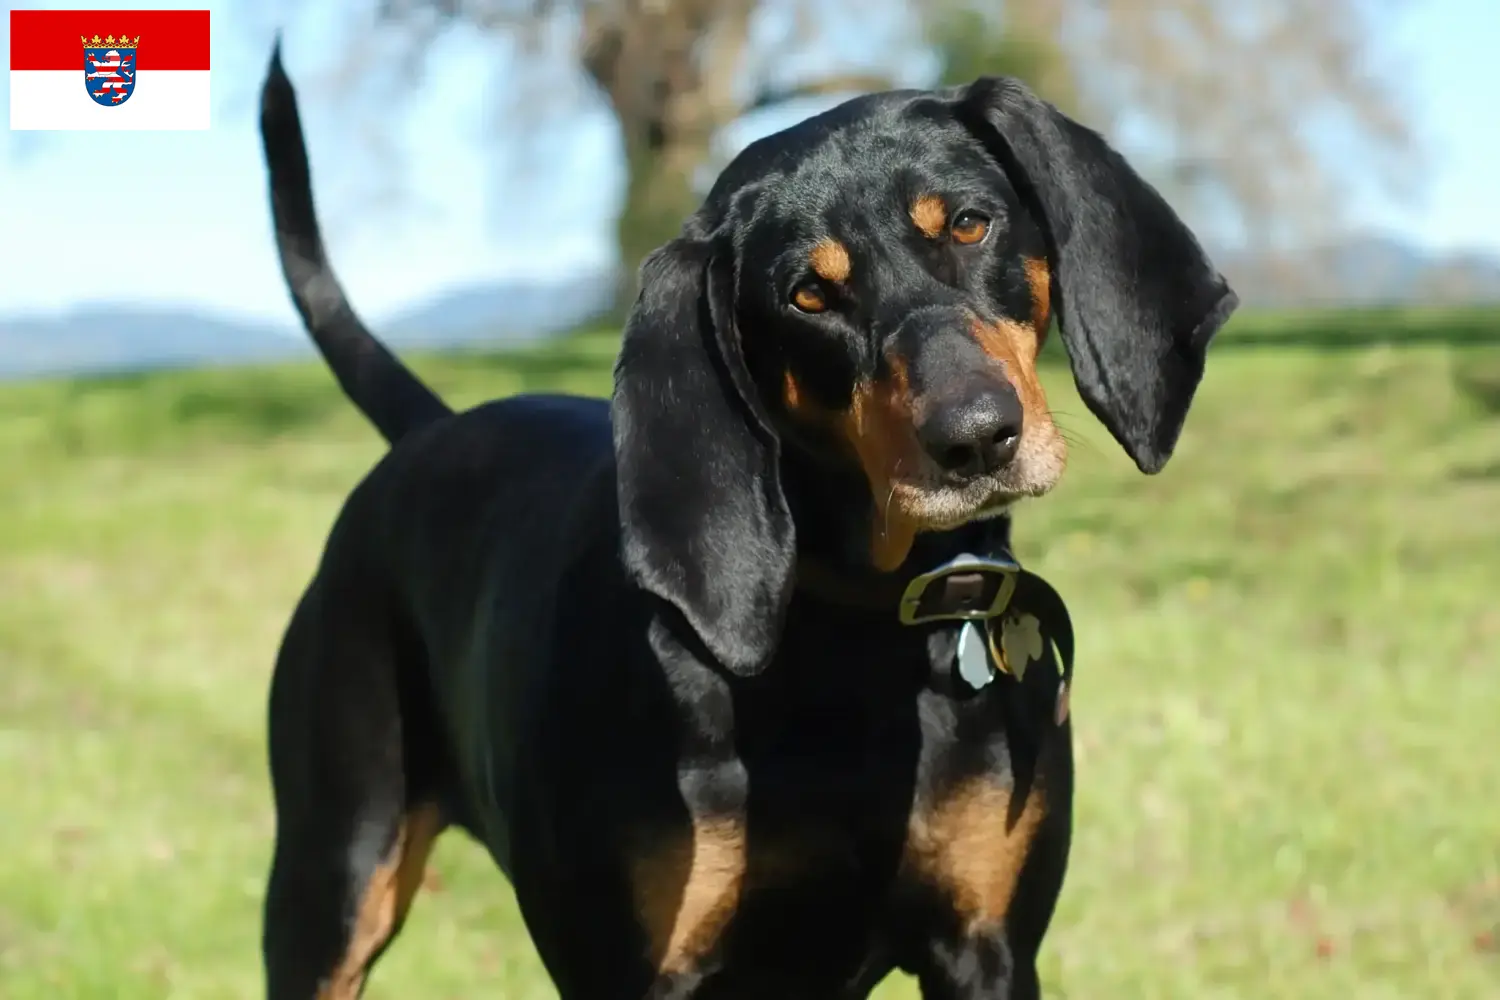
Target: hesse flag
{"type": "Point", "coordinates": [109, 69]}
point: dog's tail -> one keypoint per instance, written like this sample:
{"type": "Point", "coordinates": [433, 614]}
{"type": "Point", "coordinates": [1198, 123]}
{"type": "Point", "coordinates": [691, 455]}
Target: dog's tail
{"type": "Point", "coordinates": [385, 390]}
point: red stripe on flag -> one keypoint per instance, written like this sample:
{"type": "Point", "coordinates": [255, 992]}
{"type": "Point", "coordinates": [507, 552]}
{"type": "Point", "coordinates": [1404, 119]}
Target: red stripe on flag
{"type": "Point", "coordinates": [49, 39]}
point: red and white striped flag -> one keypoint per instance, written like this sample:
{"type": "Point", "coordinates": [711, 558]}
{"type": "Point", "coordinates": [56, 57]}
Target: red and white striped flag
{"type": "Point", "coordinates": [109, 69]}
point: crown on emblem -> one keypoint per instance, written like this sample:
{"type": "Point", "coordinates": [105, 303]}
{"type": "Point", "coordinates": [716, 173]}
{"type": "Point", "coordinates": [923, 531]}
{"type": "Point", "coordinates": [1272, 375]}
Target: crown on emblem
{"type": "Point", "coordinates": [109, 42]}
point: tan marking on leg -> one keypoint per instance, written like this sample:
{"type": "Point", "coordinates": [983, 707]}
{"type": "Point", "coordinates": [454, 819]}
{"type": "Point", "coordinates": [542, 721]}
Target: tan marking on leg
{"type": "Point", "coordinates": [830, 261]}
{"type": "Point", "coordinates": [687, 889]}
{"type": "Point", "coordinates": [385, 902]}
{"type": "Point", "coordinates": [1039, 277]}
{"type": "Point", "coordinates": [967, 845]}
{"type": "Point", "coordinates": [930, 216]}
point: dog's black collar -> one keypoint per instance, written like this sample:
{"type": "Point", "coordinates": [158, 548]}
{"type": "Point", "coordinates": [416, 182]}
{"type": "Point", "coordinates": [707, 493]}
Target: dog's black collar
{"type": "Point", "coordinates": [994, 592]}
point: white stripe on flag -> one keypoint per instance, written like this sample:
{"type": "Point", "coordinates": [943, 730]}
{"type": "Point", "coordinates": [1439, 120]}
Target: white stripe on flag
{"type": "Point", "coordinates": [163, 99]}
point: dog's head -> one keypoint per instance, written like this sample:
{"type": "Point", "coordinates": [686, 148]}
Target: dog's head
{"type": "Point", "coordinates": [870, 290]}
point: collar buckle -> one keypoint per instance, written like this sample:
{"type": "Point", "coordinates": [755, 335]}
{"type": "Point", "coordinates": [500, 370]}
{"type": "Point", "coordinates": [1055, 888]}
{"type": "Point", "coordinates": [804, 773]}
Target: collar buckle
{"type": "Point", "coordinates": [966, 588]}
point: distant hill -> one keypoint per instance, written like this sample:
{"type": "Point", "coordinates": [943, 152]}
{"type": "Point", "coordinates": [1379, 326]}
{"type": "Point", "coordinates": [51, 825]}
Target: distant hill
{"type": "Point", "coordinates": [101, 338]}
{"type": "Point", "coordinates": [510, 313]}
{"type": "Point", "coordinates": [1365, 271]}
{"type": "Point", "coordinates": [1372, 270]}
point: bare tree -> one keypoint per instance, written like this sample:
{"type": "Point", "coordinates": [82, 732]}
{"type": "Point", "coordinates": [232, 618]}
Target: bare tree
{"type": "Point", "coordinates": [1258, 118]}
{"type": "Point", "coordinates": [673, 74]}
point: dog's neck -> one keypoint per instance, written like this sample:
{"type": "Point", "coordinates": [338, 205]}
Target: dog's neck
{"type": "Point", "coordinates": [947, 578]}
{"type": "Point", "coordinates": [834, 547]}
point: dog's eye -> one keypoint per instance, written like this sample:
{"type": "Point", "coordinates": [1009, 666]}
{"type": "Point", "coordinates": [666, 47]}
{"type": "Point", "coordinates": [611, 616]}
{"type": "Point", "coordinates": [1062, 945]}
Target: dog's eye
{"type": "Point", "coordinates": [969, 227]}
{"type": "Point", "coordinates": [809, 298]}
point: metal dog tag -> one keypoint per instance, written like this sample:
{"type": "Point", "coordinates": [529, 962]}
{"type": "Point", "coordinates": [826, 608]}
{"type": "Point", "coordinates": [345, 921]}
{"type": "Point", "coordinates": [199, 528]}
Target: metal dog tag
{"type": "Point", "coordinates": [973, 657]}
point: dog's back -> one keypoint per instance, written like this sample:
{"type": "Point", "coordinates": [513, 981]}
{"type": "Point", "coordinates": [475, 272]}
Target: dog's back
{"type": "Point", "coordinates": [398, 703]}
{"type": "Point", "coordinates": [467, 503]}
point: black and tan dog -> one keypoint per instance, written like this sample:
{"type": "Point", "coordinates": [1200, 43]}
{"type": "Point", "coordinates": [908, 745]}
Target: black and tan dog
{"type": "Point", "coordinates": [661, 655]}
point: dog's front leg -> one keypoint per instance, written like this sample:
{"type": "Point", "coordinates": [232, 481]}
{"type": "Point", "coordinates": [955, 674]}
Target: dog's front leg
{"type": "Point", "coordinates": [688, 880]}
{"type": "Point", "coordinates": [676, 986]}
{"type": "Point", "coordinates": [995, 855]}
{"type": "Point", "coordinates": [982, 965]}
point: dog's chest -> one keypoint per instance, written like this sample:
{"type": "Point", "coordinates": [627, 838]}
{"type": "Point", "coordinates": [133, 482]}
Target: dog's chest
{"type": "Point", "coordinates": [845, 856]}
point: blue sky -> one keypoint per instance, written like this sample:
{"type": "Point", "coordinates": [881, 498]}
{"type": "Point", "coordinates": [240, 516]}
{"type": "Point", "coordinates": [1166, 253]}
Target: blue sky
{"type": "Point", "coordinates": [186, 212]}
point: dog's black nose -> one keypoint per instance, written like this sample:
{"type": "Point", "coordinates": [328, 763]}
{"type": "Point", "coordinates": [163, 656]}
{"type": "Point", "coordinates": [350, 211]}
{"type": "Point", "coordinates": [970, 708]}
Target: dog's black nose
{"type": "Point", "coordinates": [974, 432]}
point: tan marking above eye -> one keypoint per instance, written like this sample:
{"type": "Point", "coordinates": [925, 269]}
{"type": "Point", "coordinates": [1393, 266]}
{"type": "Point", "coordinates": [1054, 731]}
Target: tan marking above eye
{"type": "Point", "coordinates": [830, 261]}
{"type": "Point", "coordinates": [929, 215]}
{"type": "Point", "coordinates": [809, 298]}
{"type": "Point", "coordinates": [969, 228]}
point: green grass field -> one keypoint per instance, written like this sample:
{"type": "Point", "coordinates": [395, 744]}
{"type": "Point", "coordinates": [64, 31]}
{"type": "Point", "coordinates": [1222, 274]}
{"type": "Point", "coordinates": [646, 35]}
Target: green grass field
{"type": "Point", "coordinates": [1287, 707]}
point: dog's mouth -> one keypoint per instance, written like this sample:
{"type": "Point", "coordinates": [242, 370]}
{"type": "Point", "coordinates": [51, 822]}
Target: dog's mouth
{"type": "Point", "coordinates": [937, 500]}
{"type": "Point", "coordinates": [910, 492]}
{"type": "Point", "coordinates": [942, 506]}
{"type": "Point", "coordinates": [913, 506]}
{"type": "Point", "coordinates": [930, 500]}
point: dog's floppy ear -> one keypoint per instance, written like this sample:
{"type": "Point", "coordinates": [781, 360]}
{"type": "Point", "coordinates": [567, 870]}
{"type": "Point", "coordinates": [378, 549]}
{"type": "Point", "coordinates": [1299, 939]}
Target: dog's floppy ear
{"type": "Point", "coordinates": [1137, 299]}
{"type": "Point", "coordinates": [705, 524]}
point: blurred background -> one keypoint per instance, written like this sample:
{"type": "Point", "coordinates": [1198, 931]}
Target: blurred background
{"type": "Point", "coordinates": [1289, 640]}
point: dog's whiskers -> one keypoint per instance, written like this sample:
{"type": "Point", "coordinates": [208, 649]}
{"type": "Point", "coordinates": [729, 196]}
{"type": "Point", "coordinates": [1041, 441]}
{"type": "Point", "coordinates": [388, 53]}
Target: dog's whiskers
{"type": "Point", "coordinates": [1071, 437]}
{"type": "Point", "coordinates": [885, 514]}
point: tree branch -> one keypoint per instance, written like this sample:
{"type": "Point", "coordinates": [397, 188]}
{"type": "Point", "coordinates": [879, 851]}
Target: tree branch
{"type": "Point", "coordinates": [838, 84]}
